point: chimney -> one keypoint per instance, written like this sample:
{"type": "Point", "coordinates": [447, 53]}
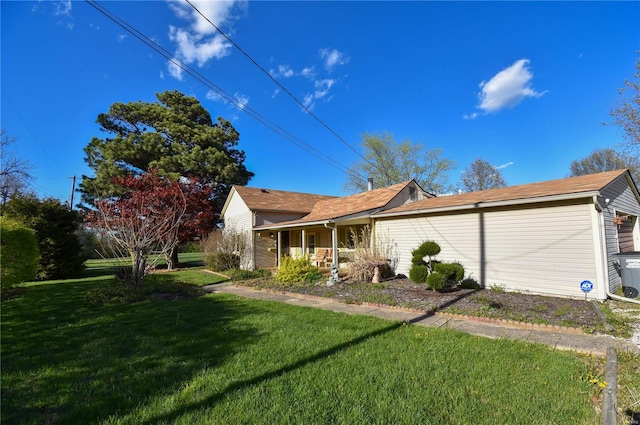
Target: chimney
{"type": "Point", "coordinates": [370, 183]}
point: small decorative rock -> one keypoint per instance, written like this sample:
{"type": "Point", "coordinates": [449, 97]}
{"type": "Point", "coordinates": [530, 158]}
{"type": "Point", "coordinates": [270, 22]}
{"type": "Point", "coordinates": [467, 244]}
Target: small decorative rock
{"type": "Point", "coordinates": [376, 275]}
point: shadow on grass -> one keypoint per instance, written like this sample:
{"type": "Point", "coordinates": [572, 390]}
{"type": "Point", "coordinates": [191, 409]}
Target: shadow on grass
{"type": "Point", "coordinates": [240, 385]}
{"type": "Point", "coordinates": [64, 361]}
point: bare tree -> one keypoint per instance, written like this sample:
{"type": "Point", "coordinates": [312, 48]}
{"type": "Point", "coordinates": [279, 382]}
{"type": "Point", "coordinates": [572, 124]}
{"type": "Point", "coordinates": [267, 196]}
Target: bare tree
{"type": "Point", "coordinates": [626, 114]}
{"type": "Point", "coordinates": [601, 160]}
{"type": "Point", "coordinates": [14, 171]}
{"type": "Point", "coordinates": [227, 249]}
{"type": "Point", "coordinates": [481, 175]}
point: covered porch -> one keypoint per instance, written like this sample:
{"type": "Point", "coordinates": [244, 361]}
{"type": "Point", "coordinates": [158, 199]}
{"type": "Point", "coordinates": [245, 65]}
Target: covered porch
{"type": "Point", "coordinates": [327, 243]}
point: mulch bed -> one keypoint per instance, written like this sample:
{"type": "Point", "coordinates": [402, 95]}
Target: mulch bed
{"type": "Point", "coordinates": [488, 303]}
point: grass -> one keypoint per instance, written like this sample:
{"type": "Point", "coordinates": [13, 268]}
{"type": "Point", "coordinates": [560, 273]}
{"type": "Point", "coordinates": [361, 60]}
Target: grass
{"type": "Point", "coordinates": [223, 359]}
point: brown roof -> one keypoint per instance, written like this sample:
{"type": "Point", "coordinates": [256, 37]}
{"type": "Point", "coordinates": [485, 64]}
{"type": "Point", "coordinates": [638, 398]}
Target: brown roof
{"type": "Point", "coordinates": [278, 200]}
{"type": "Point", "coordinates": [567, 186]}
{"type": "Point", "coordinates": [364, 202]}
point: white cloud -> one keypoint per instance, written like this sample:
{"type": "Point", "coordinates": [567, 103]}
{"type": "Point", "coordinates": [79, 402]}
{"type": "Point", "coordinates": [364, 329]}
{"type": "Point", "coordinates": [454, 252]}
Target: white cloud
{"type": "Point", "coordinates": [283, 71]}
{"type": "Point", "coordinates": [323, 87]}
{"type": "Point", "coordinates": [62, 8]}
{"type": "Point", "coordinates": [507, 88]}
{"type": "Point", "coordinates": [505, 165]}
{"type": "Point", "coordinates": [308, 101]}
{"type": "Point", "coordinates": [333, 58]}
{"type": "Point", "coordinates": [308, 72]}
{"type": "Point", "coordinates": [121, 37]}
{"type": "Point", "coordinates": [240, 100]}
{"type": "Point", "coordinates": [200, 42]}
{"type": "Point", "coordinates": [321, 91]}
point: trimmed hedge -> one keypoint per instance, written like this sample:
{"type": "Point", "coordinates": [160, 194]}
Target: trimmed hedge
{"type": "Point", "coordinates": [19, 254]}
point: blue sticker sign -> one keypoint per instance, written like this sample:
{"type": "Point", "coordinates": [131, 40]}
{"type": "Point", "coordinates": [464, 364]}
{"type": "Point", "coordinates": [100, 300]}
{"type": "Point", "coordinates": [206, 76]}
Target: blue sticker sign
{"type": "Point", "coordinates": [586, 286]}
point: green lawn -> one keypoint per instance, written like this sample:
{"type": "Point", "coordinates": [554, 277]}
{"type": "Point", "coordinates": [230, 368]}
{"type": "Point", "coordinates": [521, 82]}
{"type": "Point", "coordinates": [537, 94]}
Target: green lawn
{"type": "Point", "coordinates": [95, 267]}
{"type": "Point", "coordinates": [219, 359]}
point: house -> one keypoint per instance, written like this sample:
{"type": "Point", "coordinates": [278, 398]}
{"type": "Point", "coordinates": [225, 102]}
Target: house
{"type": "Point", "coordinates": [247, 208]}
{"type": "Point", "coordinates": [543, 238]}
{"type": "Point", "coordinates": [294, 224]}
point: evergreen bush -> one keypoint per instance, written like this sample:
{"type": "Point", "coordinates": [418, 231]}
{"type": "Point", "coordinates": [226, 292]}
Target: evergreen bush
{"type": "Point", "coordinates": [19, 254]}
{"type": "Point", "coordinates": [426, 249]}
{"type": "Point", "coordinates": [436, 281]}
{"type": "Point", "coordinates": [452, 271]}
{"type": "Point", "coordinates": [470, 283]}
{"type": "Point", "coordinates": [419, 273]}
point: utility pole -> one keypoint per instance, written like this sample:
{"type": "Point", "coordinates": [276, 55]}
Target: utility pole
{"type": "Point", "coordinates": [73, 189]}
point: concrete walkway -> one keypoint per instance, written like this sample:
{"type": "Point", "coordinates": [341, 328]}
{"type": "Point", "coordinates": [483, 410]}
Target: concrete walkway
{"type": "Point", "coordinates": [558, 339]}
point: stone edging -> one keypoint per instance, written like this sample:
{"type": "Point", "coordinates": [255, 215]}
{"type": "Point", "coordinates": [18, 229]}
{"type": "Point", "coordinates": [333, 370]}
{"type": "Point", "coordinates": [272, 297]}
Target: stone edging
{"type": "Point", "coordinates": [488, 320]}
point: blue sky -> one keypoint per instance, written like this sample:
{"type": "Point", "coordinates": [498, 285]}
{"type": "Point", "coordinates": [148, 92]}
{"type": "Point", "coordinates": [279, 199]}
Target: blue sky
{"type": "Point", "coordinates": [523, 85]}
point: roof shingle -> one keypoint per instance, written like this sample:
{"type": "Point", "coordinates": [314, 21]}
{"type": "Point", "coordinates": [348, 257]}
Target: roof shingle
{"type": "Point", "coordinates": [570, 185]}
{"type": "Point", "coordinates": [278, 200]}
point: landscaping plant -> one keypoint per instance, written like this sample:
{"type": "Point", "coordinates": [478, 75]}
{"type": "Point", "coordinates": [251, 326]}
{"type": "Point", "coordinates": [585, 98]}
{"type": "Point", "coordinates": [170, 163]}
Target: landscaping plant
{"type": "Point", "coordinates": [227, 249]}
{"type": "Point", "coordinates": [19, 255]}
{"type": "Point", "coordinates": [368, 255]}
{"type": "Point", "coordinates": [298, 271]}
{"type": "Point", "coordinates": [420, 268]}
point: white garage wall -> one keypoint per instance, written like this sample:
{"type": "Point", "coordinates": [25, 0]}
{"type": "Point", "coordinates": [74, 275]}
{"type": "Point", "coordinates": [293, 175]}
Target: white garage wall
{"type": "Point", "coordinates": [547, 250]}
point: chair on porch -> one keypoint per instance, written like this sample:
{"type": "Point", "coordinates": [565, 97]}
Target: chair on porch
{"type": "Point", "coordinates": [323, 256]}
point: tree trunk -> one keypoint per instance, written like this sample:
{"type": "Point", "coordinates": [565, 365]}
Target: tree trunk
{"type": "Point", "coordinates": [138, 269]}
{"type": "Point", "coordinates": [172, 258]}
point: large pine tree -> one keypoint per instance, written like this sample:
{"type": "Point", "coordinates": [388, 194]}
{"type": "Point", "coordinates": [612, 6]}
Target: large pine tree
{"type": "Point", "coordinates": [175, 136]}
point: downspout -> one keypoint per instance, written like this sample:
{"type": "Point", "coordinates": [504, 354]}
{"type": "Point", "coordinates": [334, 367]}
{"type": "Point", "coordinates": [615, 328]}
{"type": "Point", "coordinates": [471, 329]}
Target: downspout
{"type": "Point", "coordinates": [334, 241]}
{"type": "Point", "coordinates": [603, 240]}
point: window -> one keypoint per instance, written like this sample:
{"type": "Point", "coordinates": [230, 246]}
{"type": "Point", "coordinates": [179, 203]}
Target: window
{"type": "Point", "coordinates": [311, 243]}
{"type": "Point", "coordinates": [412, 193]}
{"type": "Point", "coordinates": [626, 225]}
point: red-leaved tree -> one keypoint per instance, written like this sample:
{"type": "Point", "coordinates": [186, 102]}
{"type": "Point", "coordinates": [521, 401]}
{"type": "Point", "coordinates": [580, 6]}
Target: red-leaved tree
{"type": "Point", "coordinates": [199, 218]}
{"type": "Point", "coordinates": [145, 218]}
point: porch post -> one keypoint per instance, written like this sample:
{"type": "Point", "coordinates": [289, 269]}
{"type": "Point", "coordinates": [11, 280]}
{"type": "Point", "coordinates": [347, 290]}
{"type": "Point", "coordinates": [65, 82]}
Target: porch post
{"type": "Point", "coordinates": [279, 250]}
{"type": "Point", "coordinates": [334, 245]}
{"type": "Point", "coordinates": [303, 243]}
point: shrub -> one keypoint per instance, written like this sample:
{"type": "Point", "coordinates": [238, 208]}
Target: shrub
{"type": "Point", "coordinates": [227, 249]}
{"type": "Point", "coordinates": [419, 273]}
{"type": "Point", "coordinates": [452, 271]}
{"type": "Point", "coordinates": [426, 249]}
{"type": "Point", "coordinates": [297, 271]}
{"type": "Point", "coordinates": [418, 259]}
{"type": "Point", "coordinates": [368, 255]}
{"type": "Point", "coordinates": [221, 261]}
{"type": "Point", "coordinates": [429, 248]}
{"type": "Point", "coordinates": [248, 274]}
{"type": "Point", "coordinates": [436, 281]}
{"type": "Point", "coordinates": [470, 283]}
{"type": "Point", "coordinates": [56, 226]}
{"type": "Point", "coordinates": [19, 255]}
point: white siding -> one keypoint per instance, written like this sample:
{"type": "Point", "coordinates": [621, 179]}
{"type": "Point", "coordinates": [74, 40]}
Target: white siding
{"type": "Point", "coordinates": [540, 250]}
{"type": "Point", "coordinates": [239, 217]}
{"type": "Point", "coordinates": [238, 214]}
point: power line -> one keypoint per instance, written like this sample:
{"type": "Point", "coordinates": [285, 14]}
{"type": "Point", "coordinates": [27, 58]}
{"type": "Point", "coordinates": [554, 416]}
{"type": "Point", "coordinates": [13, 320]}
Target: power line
{"type": "Point", "coordinates": [212, 86]}
{"type": "Point", "coordinates": [314, 116]}
{"type": "Point", "coordinates": [31, 132]}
